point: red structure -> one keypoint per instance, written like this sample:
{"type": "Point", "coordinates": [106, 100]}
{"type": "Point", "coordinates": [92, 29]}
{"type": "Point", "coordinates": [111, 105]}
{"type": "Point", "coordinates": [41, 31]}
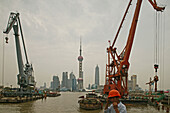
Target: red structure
{"type": "Point", "coordinates": [118, 64]}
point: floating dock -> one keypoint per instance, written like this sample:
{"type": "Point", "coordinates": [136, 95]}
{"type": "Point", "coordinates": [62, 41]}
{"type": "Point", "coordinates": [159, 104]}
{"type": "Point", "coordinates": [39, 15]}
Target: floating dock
{"type": "Point", "coordinates": [134, 101]}
{"type": "Point", "coordinates": [19, 99]}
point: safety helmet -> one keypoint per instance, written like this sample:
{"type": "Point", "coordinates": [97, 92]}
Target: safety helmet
{"type": "Point", "coordinates": [114, 93]}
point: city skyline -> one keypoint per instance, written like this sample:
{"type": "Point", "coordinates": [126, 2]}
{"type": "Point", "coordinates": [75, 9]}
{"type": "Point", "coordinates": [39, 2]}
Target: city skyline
{"type": "Point", "coordinates": [52, 32]}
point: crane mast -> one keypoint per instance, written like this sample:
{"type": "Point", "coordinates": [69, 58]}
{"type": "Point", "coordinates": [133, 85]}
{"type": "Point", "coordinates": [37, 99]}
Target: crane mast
{"type": "Point", "coordinates": [25, 77]}
{"type": "Point", "coordinates": [118, 65]}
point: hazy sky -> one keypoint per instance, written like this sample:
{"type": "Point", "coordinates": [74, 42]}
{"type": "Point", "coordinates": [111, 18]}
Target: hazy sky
{"type": "Point", "coordinates": [52, 30]}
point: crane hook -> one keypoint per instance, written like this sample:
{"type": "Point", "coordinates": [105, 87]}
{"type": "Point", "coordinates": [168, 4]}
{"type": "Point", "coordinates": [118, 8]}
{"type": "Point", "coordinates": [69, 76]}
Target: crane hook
{"type": "Point", "coordinates": [6, 39]}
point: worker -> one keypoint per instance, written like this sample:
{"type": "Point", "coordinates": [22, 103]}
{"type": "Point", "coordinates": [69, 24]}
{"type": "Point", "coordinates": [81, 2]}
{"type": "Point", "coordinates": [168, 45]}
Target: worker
{"type": "Point", "coordinates": [116, 106]}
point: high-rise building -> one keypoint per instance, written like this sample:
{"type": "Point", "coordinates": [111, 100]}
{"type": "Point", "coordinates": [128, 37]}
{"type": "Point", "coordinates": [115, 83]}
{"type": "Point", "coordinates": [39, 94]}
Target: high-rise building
{"type": "Point", "coordinates": [132, 84]}
{"type": "Point", "coordinates": [65, 80]}
{"type": "Point", "coordinates": [72, 76]}
{"type": "Point", "coordinates": [45, 86]}
{"type": "Point", "coordinates": [70, 81]}
{"type": "Point", "coordinates": [55, 84]}
{"type": "Point", "coordinates": [97, 75]}
{"type": "Point", "coordinates": [51, 85]}
{"type": "Point", "coordinates": [80, 79]}
{"type": "Point", "coordinates": [134, 79]}
{"type": "Point", "coordinates": [74, 84]}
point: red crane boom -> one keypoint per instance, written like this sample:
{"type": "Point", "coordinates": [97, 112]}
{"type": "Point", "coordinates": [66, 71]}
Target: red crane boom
{"type": "Point", "coordinates": [118, 65]}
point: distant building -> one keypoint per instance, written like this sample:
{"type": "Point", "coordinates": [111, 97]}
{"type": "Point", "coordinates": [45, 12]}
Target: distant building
{"type": "Point", "coordinates": [65, 80]}
{"type": "Point", "coordinates": [55, 84]}
{"type": "Point", "coordinates": [132, 84]}
{"type": "Point", "coordinates": [70, 81]}
{"type": "Point", "coordinates": [74, 84]}
{"type": "Point", "coordinates": [134, 79]}
{"type": "Point", "coordinates": [99, 89]}
{"type": "Point", "coordinates": [89, 87]}
{"type": "Point", "coordinates": [51, 86]}
{"type": "Point", "coordinates": [97, 75]}
{"type": "Point", "coordinates": [94, 86]}
{"type": "Point", "coordinates": [45, 86]}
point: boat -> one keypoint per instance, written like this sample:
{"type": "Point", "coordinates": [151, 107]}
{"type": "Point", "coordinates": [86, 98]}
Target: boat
{"type": "Point", "coordinates": [53, 94]}
{"type": "Point", "coordinates": [90, 102]}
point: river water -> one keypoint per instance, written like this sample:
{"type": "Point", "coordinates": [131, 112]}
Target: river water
{"type": "Point", "coordinates": [66, 103]}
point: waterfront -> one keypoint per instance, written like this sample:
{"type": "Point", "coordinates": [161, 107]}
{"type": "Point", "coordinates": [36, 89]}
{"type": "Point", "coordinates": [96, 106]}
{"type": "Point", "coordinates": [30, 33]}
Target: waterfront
{"type": "Point", "coordinates": [66, 103]}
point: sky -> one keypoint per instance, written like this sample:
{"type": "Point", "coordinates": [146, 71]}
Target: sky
{"type": "Point", "coordinates": [52, 31]}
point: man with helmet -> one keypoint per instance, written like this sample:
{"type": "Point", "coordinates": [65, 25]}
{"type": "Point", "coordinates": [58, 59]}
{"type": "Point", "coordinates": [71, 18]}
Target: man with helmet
{"type": "Point", "coordinates": [116, 106]}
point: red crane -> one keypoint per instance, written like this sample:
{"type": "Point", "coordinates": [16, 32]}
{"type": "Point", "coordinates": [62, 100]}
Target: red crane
{"type": "Point", "coordinates": [118, 64]}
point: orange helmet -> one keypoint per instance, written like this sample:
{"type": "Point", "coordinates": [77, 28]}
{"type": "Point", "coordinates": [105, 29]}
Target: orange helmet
{"type": "Point", "coordinates": [114, 93]}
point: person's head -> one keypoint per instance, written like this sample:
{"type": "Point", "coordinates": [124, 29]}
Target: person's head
{"type": "Point", "coordinates": [114, 96]}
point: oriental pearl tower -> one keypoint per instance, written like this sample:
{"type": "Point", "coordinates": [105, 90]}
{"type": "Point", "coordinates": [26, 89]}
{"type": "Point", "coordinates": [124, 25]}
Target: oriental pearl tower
{"type": "Point", "coordinates": [80, 79]}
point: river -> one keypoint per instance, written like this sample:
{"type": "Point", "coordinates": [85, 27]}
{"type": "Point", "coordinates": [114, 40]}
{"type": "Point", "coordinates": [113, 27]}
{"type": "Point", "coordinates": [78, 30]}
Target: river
{"type": "Point", "coordinates": [66, 103]}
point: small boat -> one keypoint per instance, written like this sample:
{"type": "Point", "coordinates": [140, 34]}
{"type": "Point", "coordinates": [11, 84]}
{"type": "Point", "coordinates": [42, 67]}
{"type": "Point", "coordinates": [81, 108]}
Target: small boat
{"type": "Point", "coordinates": [53, 94]}
{"type": "Point", "coordinates": [91, 102]}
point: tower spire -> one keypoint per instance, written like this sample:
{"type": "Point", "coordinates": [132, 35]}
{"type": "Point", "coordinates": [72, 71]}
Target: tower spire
{"type": "Point", "coordinates": [80, 46]}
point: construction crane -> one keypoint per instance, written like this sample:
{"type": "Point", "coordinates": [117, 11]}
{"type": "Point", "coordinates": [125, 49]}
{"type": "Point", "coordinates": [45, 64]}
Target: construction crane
{"type": "Point", "coordinates": [25, 77]}
{"type": "Point", "coordinates": [118, 64]}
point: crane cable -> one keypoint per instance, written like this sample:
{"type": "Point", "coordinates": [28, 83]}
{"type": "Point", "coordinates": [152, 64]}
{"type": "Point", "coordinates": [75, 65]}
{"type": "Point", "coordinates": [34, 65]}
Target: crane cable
{"type": "Point", "coordinates": [162, 48]}
{"type": "Point", "coordinates": [159, 44]}
{"type": "Point", "coordinates": [156, 46]}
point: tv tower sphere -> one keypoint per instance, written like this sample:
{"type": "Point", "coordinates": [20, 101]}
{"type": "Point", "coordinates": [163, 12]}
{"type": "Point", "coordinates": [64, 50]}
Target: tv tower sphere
{"type": "Point", "coordinates": [80, 58]}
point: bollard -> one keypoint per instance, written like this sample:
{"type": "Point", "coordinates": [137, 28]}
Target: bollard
{"type": "Point", "coordinates": [167, 110]}
{"type": "Point", "coordinates": [162, 107]}
{"type": "Point", "coordinates": [101, 105]}
{"type": "Point", "coordinates": [158, 108]}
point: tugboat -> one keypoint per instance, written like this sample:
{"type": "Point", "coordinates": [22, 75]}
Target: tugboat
{"type": "Point", "coordinates": [91, 102]}
{"type": "Point", "coordinates": [53, 94]}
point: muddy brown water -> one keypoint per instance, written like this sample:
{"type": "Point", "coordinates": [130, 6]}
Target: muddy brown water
{"type": "Point", "coordinates": [66, 103]}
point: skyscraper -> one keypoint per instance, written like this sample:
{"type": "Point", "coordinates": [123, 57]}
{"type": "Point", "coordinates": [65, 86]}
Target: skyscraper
{"type": "Point", "coordinates": [97, 75]}
{"type": "Point", "coordinates": [45, 86]}
{"type": "Point", "coordinates": [80, 79]}
{"type": "Point", "coordinates": [65, 79]}
{"type": "Point", "coordinates": [134, 79]}
{"type": "Point", "coordinates": [72, 76]}
{"type": "Point", "coordinates": [70, 81]}
{"type": "Point", "coordinates": [55, 83]}
{"type": "Point", "coordinates": [74, 84]}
